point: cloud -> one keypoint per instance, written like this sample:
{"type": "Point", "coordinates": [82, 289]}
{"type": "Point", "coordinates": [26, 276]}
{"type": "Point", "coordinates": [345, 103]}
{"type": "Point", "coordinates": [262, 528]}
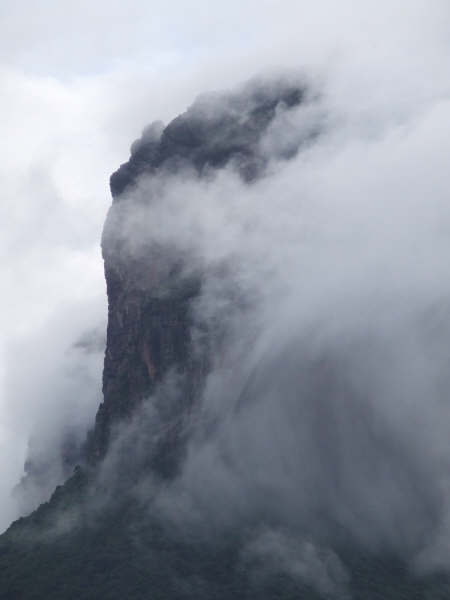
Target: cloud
{"type": "Point", "coordinates": [326, 412]}
{"type": "Point", "coordinates": [275, 551]}
{"type": "Point", "coordinates": [343, 251]}
{"type": "Point", "coordinates": [53, 387]}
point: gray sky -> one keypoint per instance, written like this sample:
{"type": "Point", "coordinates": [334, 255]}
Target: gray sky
{"type": "Point", "coordinates": [79, 80]}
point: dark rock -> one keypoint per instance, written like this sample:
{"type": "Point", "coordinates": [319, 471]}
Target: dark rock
{"type": "Point", "coordinates": [216, 130]}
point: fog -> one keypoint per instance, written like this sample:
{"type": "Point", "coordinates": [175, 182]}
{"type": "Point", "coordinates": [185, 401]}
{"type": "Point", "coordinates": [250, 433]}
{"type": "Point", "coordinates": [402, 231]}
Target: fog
{"type": "Point", "coordinates": [328, 409]}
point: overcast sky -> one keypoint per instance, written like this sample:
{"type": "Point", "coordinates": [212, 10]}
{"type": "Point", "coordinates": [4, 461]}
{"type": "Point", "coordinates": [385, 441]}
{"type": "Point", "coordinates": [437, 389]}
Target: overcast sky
{"type": "Point", "coordinates": [79, 81]}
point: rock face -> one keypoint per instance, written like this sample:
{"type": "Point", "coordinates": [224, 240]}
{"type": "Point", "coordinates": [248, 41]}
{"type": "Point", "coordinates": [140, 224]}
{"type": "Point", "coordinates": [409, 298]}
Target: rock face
{"type": "Point", "coordinates": [149, 298]}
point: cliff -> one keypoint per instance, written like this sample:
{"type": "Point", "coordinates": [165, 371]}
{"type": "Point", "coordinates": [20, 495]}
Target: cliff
{"type": "Point", "coordinates": [149, 294]}
{"type": "Point", "coordinates": [101, 535]}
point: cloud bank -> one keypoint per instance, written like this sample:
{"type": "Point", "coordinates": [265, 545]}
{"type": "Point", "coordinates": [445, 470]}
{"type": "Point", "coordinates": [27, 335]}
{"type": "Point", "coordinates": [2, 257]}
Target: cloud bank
{"type": "Point", "coordinates": [326, 412]}
{"type": "Point", "coordinates": [342, 252]}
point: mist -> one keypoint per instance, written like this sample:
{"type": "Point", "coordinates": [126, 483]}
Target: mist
{"type": "Point", "coordinates": [326, 412]}
{"type": "Point", "coordinates": [325, 416]}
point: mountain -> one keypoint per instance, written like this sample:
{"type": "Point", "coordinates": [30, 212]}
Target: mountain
{"type": "Point", "coordinates": [107, 532]}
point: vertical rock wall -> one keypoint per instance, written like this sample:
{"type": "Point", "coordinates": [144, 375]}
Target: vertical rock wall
{"type": "Point", "coordinates": [149, 298]}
